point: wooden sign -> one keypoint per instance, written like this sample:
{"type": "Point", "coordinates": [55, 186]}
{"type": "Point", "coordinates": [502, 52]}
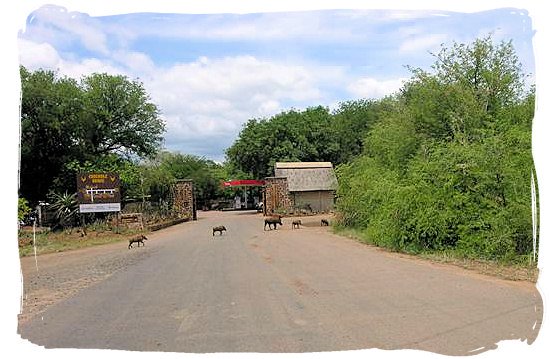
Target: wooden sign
{"type": "Point", "coordinates": [98, 192]}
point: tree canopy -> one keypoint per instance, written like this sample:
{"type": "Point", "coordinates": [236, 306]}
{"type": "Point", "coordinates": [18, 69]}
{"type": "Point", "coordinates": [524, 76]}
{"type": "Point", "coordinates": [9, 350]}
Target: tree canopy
{"type": "Point", "coordinates": [310, 135]}
{"type": "Point", "coordinates": [66, 124]}
{"type": "Point", "coordinates": [450, 168]}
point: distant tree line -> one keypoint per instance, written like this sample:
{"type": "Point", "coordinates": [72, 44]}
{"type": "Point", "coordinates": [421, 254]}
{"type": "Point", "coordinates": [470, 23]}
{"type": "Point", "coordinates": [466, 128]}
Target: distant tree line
{"type": "Point", "coordinates": [313, 134]}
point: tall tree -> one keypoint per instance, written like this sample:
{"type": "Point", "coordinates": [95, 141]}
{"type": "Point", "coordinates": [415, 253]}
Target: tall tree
{"type": "Point", "coordinates": [491, 71]}
{"type": "Point", "coordinates": [51, 107]}
{"type": "Point", "coordinates": [351, 122]}
{"type": "Point", "coordinates": [66, 125]}
{"type": "Point", "coordinates": [118, 117]}
{"type": "Point", "coordinates": [292, 135]}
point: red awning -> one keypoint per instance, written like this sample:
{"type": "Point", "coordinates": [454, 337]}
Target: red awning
{"type": "Point", "coordinates": [236, 183]}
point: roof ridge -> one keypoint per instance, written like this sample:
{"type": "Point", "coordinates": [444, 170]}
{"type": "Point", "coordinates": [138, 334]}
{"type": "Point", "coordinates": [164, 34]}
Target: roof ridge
{"type": "Point", "coordinates": [303, 164]}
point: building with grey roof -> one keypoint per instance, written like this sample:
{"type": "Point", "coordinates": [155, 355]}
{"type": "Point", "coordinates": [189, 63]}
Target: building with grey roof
{"type": "Point", "coordinates": [310, 186]}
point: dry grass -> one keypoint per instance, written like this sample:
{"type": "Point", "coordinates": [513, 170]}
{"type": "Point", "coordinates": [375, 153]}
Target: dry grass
{"type": "Point", "coordinates": [514, 272]}
{"type": "Point", "coordinates": [51, 242]}
{"type": "Point", "coordinates": [508, 271]}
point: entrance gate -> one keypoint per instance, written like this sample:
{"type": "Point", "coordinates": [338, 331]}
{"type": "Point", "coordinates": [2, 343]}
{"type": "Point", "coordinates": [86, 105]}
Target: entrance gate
{"type": "Point", "coordinates": [244, 183]}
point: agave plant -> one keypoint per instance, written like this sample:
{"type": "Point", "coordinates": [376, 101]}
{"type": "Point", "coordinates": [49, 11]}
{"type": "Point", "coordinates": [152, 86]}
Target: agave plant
{"type": "Point", "coordinates": [65, 207]}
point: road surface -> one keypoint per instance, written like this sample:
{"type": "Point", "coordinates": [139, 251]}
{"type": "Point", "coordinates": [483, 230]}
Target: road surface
{"type": "Point", "coordinates": [256, 290]}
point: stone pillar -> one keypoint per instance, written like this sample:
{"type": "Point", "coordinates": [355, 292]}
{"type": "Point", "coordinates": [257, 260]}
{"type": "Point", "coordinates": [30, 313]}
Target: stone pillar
{"type": "Point", "coordinates": [277, 197]}
{"type": "Point", "coordinates": [184, 199]}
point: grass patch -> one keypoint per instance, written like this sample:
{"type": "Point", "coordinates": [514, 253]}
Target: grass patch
{"type": "Point", "coordinates": [52, 242]}
{"type": "Point", "coordinates": [523, 271]}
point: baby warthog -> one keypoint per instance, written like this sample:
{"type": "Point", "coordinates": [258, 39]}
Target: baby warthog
{"type": "Point", "coordinates": [272, 221]}
{"type": "Point", "coordinates": [218, 229]}
{"type": "Point", "coordinates": [324, 222]}
{"type": "Point", "coordinates": [137, 239]}
{"type": "Point", "coordinates": [296, 223]}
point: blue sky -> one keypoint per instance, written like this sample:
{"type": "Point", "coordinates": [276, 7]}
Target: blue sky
{"type": "Point", "coordinates": [210, 73]}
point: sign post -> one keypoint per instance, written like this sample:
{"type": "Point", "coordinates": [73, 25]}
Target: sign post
{"type": "Point", "coordinates": [98, 192]}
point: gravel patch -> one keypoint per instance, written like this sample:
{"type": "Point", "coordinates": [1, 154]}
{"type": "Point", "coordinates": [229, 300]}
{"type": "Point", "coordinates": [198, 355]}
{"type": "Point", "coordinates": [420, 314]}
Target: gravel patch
{"type": "Point", "coordinates": [50, 278]}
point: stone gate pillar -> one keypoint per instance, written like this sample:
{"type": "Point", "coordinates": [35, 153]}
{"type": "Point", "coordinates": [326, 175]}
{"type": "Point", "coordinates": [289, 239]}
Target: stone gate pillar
{"type": "Point", "coordinates": [276, 196]}
{"type": "Point", "coordinates": [184, 199]}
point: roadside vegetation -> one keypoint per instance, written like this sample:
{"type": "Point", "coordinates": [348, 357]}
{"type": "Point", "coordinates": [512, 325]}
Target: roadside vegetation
{"type": "Point", "coordinates": [449, 168]}
{"type": "Point", "coordinates": [101, 123]}
{"type": "Point", "coordinates": [46, 241]}
{"type": "Point", "coordinates": [442, 168]}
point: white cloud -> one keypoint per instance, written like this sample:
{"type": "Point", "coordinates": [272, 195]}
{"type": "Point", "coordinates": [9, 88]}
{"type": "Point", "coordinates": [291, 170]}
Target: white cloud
{"type": "Point", "coordinates": [371, 88]}
{"type": "Point", "coordinates": [201, 101]}
{"type": "Point", "coordinates": [35, 55]}
{"type": "Point", "coordinates": [210, 97]}
{"type": "Point", "coordinates": [421, 43]}
{"type": "Point", "coordinates": [397, 15]}
{"type": "Point", "coordinates": [134, 62]}
{"type": "Point", "coordinates": [88, 66]}
{"type": "Point", "coordinates": [265, 26]}
{"type": "Point", "coordinates": [54, 23]}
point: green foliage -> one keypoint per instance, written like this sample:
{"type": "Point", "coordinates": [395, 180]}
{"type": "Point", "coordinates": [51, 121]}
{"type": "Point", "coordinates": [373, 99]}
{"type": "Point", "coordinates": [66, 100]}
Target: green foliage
{"type": "Point", "coordinates": [67, 125]}
{"type": "Point", "coordinates": [351, 122]}
{"type": "Point", "coordinates": [288, 136]}
{"type": "Point", "coordinates": [50, 108]}
{"type": "Point", "coordinates": [160, 173]}
{"type": "Point", "coordinates": [449, 167]}
{"type": "Point", "coordinates": [392, 142]}
{"type": "Point", "coordinates": [65, 207]}
{"type": "Point", "coordinates": [23, 208]}
{"type": "Point", "coordinates": [311, 135]}
{"type": "Point", "coordinates": [119, 117]}
{"type": "Point", "coordinates": [492, 72]}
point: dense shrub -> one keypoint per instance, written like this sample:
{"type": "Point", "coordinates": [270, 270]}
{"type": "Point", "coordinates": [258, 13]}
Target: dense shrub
{"type": "Point", "coordinates": [450, 168]}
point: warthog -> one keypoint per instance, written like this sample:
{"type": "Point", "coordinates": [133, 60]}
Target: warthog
{"type": "Point", "coordinates": [218, 229]}
{"type": "Point", "coordinates": [138, 239]}
{"type": "Point", "coordinates": [272, 221]}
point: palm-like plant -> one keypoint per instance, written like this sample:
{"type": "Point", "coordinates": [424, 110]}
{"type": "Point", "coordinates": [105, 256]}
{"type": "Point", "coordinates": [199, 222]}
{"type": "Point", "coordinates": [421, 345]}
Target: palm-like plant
{"type": "Point", "coordinates": [65, 207]}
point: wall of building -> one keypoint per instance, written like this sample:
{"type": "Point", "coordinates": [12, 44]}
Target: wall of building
{"type": "Point", "coordinates": [316, 201]}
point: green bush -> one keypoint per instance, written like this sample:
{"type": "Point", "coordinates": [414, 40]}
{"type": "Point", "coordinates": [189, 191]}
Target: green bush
{"type": "Point", "coordinates": [23, 209]}
{"type": "Point", "coordinates": [449, 169]}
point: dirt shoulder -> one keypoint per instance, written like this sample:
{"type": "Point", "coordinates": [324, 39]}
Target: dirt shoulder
{"type": "Point", "coordinates": [498, 270]}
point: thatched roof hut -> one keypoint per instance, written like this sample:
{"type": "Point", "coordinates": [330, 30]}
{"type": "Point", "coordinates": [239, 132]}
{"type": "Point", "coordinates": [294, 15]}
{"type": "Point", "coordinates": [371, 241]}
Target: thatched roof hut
{"type": "Point", "coordinates": [307, 176]}
{"type": "Point", "coordinates": [310, 186]}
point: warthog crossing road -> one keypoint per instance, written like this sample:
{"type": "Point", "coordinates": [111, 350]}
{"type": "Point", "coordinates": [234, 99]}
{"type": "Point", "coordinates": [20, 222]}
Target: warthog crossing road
{"type": "Point", "coordinates": [272, 221]}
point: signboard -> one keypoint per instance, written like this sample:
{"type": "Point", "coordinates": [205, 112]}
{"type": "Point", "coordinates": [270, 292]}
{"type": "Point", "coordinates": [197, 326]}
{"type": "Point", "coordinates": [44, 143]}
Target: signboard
{"type": "Point", "coordinates": [98, 192]}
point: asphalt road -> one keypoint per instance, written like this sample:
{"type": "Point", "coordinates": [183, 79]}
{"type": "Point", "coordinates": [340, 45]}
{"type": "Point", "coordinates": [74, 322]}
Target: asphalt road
{"type": "Point", "coordinates": [284, 290]}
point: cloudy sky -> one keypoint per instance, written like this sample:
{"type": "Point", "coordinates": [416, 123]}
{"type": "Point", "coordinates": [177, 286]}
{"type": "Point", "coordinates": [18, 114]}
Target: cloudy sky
{"type": "Point", "coordinates": [210, 73]}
